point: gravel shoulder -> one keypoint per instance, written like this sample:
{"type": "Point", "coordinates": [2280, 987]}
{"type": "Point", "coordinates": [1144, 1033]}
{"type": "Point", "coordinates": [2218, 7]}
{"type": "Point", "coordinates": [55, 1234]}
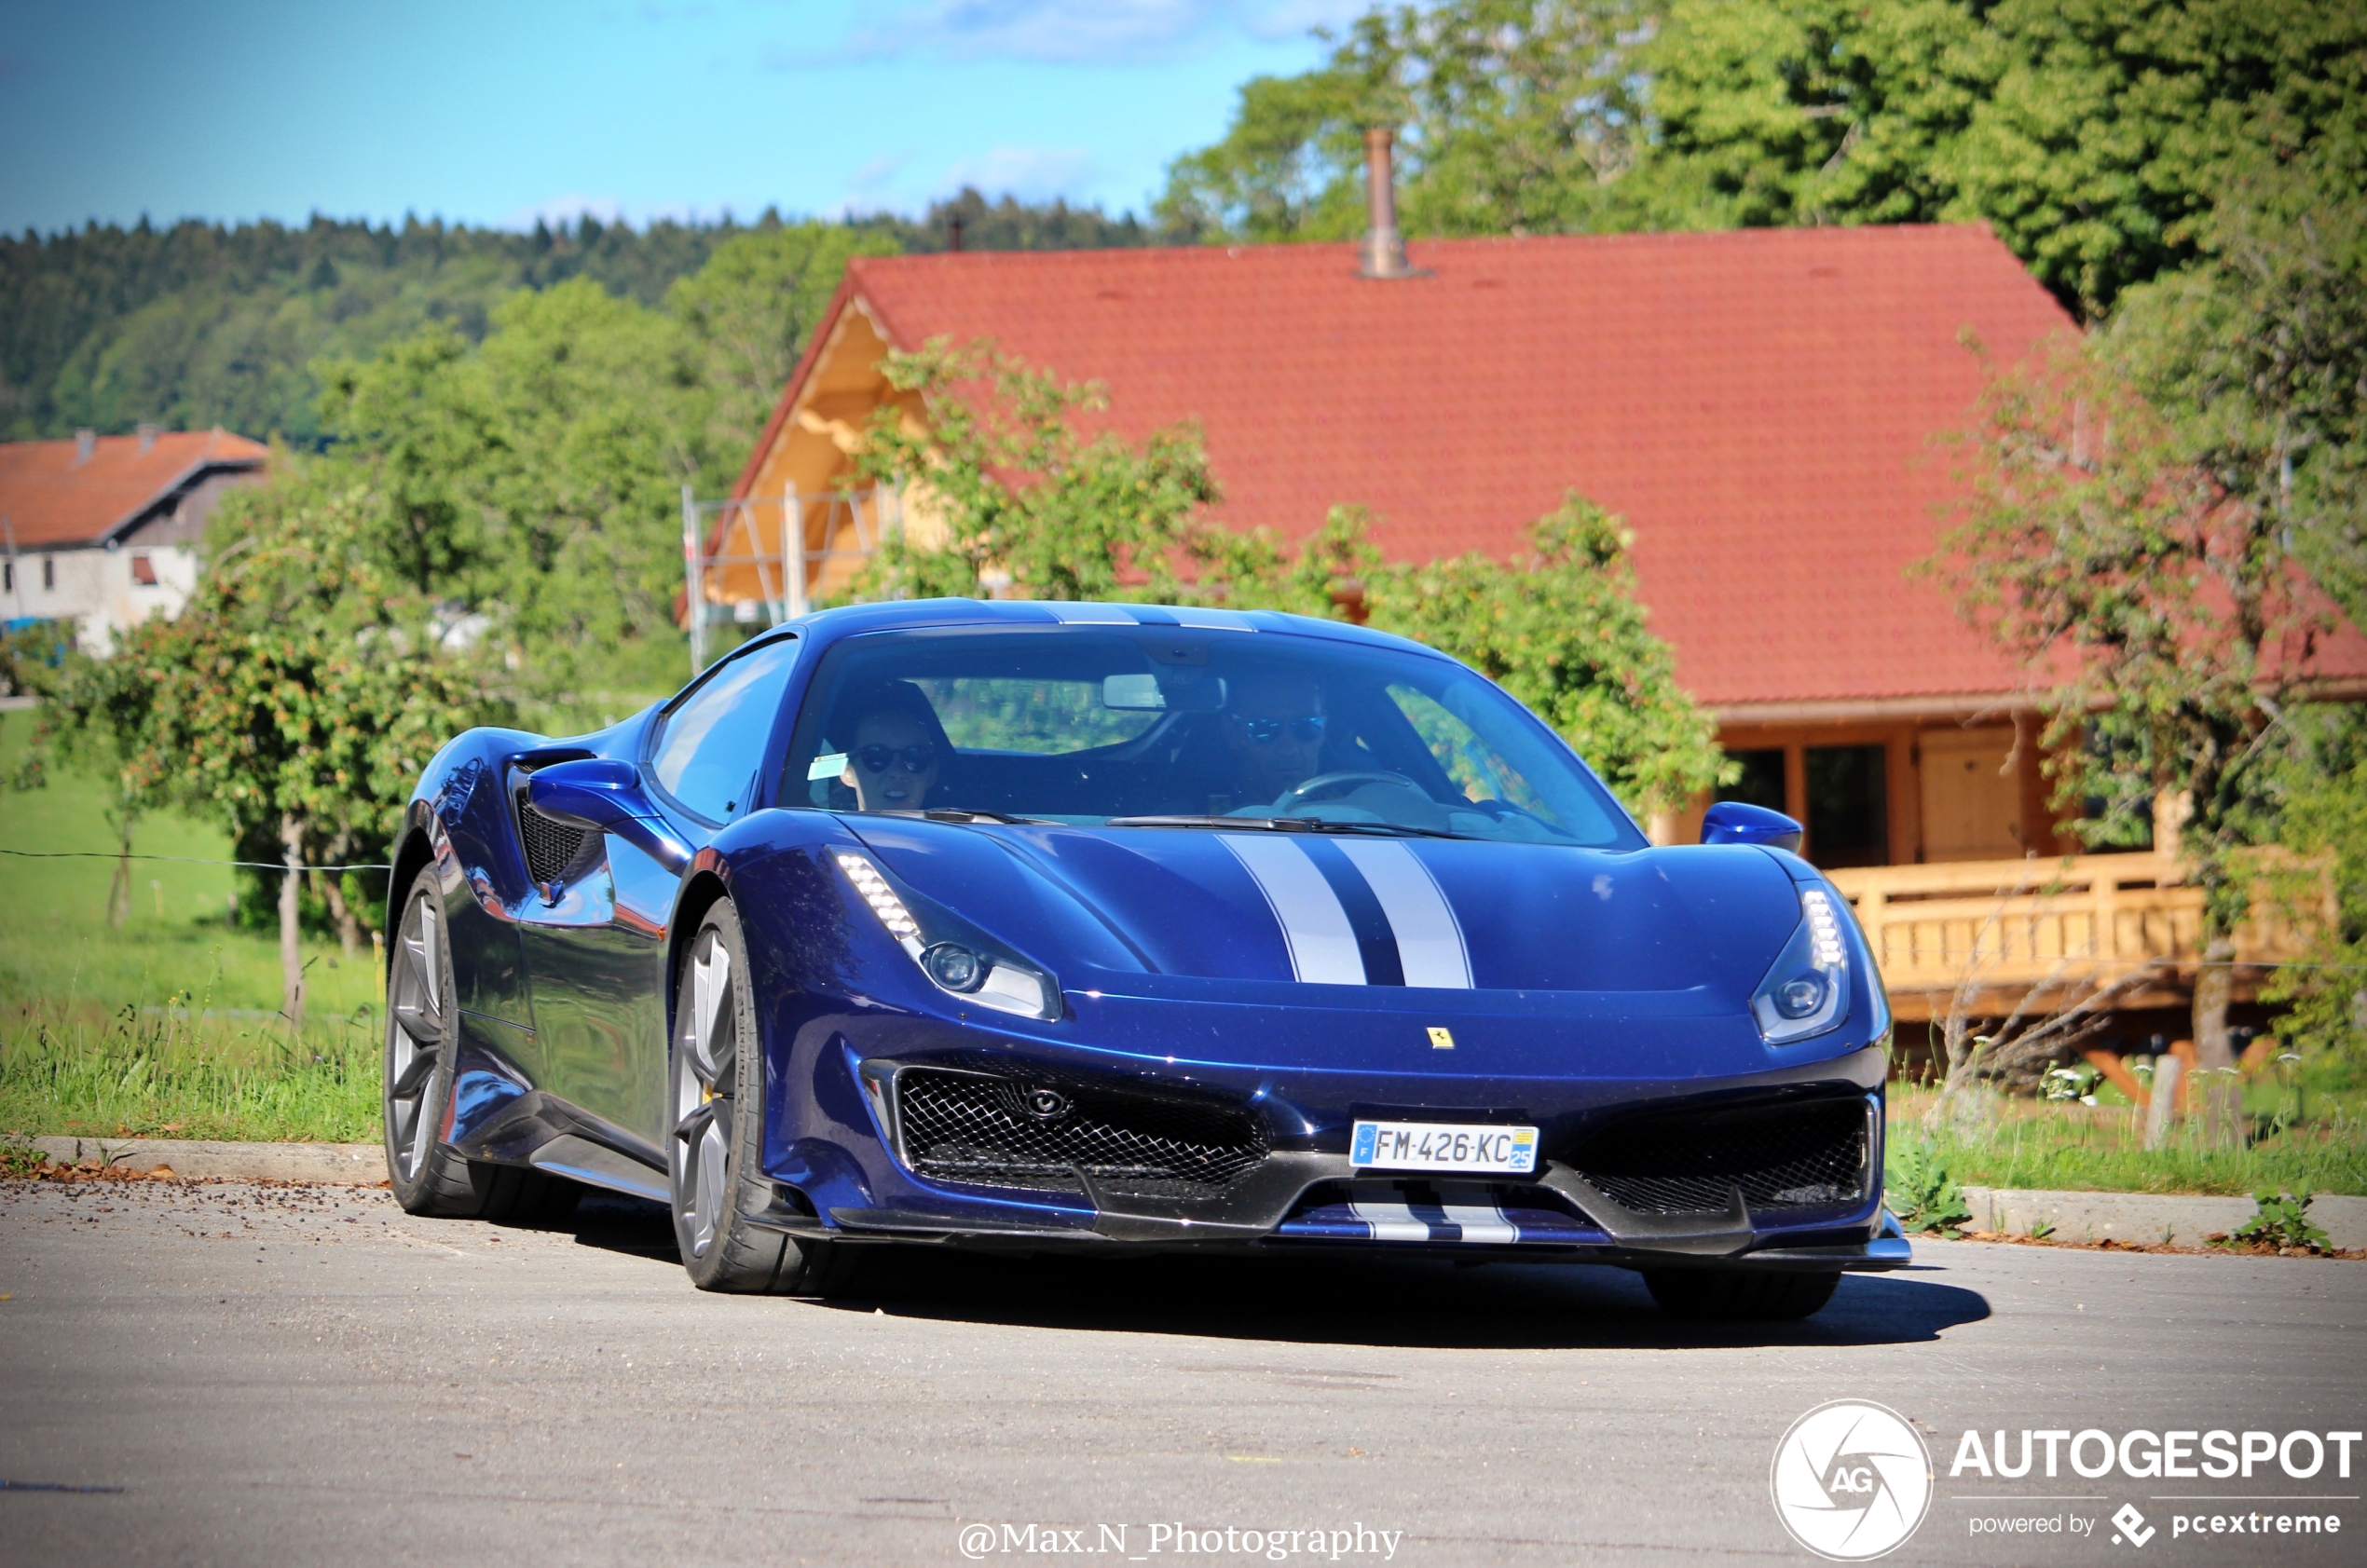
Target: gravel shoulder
{"type": "Point", "coordinates": [302, 1374]}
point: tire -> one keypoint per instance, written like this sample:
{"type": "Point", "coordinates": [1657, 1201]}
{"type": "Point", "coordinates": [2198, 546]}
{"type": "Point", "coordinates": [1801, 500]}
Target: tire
{"type": "Point", "coordinates": [1740, 1295]}
{"type": "Point", "coordinates": [715, 1082]}
{"type": "Point", "coordinates": [428, 1175]}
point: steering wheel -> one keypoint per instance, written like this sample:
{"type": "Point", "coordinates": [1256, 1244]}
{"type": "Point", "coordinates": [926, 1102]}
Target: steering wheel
{"type": "Point", "coordinates": [1291, 800]}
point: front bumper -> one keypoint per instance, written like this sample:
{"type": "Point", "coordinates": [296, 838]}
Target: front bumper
{"type": "Point", "coordinates": [1316, 1198]}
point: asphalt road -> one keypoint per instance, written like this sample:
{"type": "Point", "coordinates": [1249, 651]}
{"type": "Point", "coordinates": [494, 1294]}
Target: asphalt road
{"type": "Point", "coordinates": [305, 1375]}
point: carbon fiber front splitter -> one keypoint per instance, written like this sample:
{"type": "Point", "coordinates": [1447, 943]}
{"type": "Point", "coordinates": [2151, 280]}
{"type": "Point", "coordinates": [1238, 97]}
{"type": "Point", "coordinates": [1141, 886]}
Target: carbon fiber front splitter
{"type": "Point", "coordinates": [1267, 1211]}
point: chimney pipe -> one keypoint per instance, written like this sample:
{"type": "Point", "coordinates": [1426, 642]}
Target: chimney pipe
{"type": "Point", "coordinates": [953, 226]}
{"type": "Point", "coordinates": [1384, 248]}
{"type": "Point", "coordinates": [148, 438]}
{"type": "Point", "coordinates": [85, 443]}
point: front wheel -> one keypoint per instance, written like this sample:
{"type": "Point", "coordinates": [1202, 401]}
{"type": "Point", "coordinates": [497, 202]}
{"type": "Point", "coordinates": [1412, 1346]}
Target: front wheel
{"type": "Point", "coordinates": [715, 1156]}
{"type": "Point", "coordinates": [1740, 1295]}
{"type": "Point", "coordinates": [428, 1175]}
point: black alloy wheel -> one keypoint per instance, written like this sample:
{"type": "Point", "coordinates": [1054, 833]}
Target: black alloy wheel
{"type": "Point", "coordinates": [715, 1154]}
{"type": "Point", "coordinates": [428, 1175]}
{"type": "Point", "coordinates": [1740, 1295]}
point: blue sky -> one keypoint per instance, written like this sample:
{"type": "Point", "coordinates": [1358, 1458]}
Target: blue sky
{"type": "Point", "coordinates": [497, 113]}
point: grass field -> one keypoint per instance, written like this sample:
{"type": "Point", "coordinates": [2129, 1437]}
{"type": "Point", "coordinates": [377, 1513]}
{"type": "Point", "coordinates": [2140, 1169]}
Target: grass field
{"type": "Point", "coordinates": [171, 1025]}
{"type": "Point", "coordinates": [2305, 1137]}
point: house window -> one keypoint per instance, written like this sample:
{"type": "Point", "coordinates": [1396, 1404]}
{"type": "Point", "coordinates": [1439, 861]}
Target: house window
{"type": "Point", "coordinates": [7, 577]}
{"type": "Point", "coordinates": [1847, 801]}
{"type": "Point", "coordinates": [143, 569]}
{"type": "Point", "coordinates": [48, 571]}
{"type": "Point", "coordinates": [1762, 779]}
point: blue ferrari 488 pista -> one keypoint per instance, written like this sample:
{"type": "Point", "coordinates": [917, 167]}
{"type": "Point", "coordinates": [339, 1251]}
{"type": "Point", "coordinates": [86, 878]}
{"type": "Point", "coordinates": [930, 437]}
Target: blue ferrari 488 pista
{"type": "Point", "coordinates": [1090, 928]}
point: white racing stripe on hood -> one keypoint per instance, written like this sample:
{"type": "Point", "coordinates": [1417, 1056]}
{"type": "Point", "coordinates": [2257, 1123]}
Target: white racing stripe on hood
{"type": "Point", "coordinates": [1323, 943]}
{"type": "Point", "coordinates": [1430, 941]}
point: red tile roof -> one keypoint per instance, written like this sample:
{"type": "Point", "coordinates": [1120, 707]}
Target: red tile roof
{"type": "Point", "coordinates": [51, 497]}
{"type": "Point", "coordinates": [1763, 408]}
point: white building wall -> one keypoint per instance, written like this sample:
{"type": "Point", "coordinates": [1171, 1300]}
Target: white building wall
{"type": "Point", "coordinates": [94, 589]}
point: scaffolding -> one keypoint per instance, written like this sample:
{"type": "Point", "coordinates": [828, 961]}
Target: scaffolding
{"type": "Point", "coordinates": [769, 558]}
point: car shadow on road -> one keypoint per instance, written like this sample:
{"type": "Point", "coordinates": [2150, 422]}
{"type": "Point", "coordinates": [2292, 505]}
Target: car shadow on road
{"type": "Point", "coordinates": [1345, 1299]}
{"type": "Point", "coordinates": [1411, 1303]}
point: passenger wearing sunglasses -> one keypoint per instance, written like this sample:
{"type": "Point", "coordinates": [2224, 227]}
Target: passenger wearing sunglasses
{"type": "Point", "coordinates": [1273, 732]}
{"type": "Point", "coordinates": [898, 751]}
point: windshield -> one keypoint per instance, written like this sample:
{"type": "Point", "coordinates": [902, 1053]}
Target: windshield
{"type": "Point", "coordinates": [1158, 727]}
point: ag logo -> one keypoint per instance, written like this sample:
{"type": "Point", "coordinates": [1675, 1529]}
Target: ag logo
{"type": "Point", "coordinates": [1850, 1480]}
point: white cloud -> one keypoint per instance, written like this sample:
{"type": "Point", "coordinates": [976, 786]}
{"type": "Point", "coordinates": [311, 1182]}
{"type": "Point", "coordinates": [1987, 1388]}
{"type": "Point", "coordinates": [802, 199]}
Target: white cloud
{"type": "Point", "coordinates": [875, 173]}
{"type": "Point", "coordinates": [1030, 174]}
{"type": "Point", "coordinates": [1062, 32]}
{"type": "Point", "coordinates": [1076, 32]}
{"type": "Point", "coordinates": [1276, 20]}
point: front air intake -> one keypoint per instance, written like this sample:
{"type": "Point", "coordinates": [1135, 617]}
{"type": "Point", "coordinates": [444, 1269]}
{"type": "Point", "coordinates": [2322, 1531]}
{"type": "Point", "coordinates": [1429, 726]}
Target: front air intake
{"type": "Point", "coordinates": [1038, 1133]}
{"type": "Point", "coordinates": [1786, 1156]}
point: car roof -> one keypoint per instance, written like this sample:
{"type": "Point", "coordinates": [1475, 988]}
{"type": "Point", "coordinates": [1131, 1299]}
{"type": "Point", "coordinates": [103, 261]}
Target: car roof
{"type": "Point", "coordinates": [829, 626]}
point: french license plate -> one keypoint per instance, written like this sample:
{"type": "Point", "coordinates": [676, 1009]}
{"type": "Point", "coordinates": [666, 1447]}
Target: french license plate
{"type": "Point", "coordinates": [1442, 1145]}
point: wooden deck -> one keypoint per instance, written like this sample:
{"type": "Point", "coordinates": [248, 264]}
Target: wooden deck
{"type": "Point", "coordinates": [2060, 926]}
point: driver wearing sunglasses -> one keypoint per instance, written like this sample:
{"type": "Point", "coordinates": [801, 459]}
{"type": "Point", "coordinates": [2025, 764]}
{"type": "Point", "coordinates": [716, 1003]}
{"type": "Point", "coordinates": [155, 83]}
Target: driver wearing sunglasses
{"type": "Point", "coordinates": [897, 752]}
{"type": "Point", "coordinates": [1273, 732]}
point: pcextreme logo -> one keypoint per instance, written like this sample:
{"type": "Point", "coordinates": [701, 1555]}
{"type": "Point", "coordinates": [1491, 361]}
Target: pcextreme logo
{"type": "Point", "coordinates": [1850, 1480]}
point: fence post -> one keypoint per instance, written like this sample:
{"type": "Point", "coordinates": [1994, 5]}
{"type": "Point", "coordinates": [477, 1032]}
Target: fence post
{"type": "Point", "coordinates": [2168, 1068]}
{"type": "Point", "coordinates": [793, 551]}
{"type": "Point", "coordinates": [694, 578]}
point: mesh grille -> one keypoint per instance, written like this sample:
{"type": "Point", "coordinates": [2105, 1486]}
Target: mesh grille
{"type": "Point", "coordinates": [1791, 1156]}
{"type": "Point", "coordinates": [959, 1126]}
{"type": "Point", "coordinates": [551, 845]}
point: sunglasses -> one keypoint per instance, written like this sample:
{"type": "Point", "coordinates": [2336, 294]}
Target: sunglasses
{"type": "Point", "coordinates": [879, 759]}
{"type": "Point", "coordinates": [1266, 731]}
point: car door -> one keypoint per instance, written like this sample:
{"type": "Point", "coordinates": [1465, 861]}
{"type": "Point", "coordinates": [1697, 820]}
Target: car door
{"type": "Point", "coordinates": [595, 949]}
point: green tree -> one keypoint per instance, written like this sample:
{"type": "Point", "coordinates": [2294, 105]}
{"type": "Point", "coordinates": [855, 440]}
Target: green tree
{"type": "Point", "coordinates": [2154, 596]}
{"type": "Point", "coordinates": [297, 695]}
{"type": "Point", "coordinates": [2092, 135]}
{"type": "Point", "coordinates": [1514, 116]}
{"type": "Point", "coordinates": [2319, 800]}
{"type": "Point", "coordinates": [531, 485]}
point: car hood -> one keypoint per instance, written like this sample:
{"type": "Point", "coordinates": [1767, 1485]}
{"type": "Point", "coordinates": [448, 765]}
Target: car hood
{"type": "Point", "coordinates": [1336, 911]}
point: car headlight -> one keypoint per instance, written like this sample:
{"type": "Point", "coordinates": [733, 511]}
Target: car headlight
{"type": "Point", "coordinates": [1807, 991]}
{"type": "Point", "coordinates": [957, 959]}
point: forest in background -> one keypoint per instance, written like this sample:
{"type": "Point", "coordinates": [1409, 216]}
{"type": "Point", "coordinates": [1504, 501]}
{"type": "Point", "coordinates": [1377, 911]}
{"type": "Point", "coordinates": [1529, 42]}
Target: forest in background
{"type": "Point", "coordinates": [196, 324]}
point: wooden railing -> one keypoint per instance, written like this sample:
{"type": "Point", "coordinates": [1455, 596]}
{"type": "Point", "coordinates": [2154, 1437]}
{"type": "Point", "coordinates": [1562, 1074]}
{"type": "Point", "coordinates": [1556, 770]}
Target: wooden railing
{"type": "Point", "coordinates": [2077, 922]}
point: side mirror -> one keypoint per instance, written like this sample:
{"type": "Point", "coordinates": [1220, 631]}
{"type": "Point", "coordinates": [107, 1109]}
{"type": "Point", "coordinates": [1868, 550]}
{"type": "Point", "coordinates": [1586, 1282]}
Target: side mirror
{"type": "Point", "coordinates": [1737, 822]}
{"type": "Point", "coordinates": [606, 794]}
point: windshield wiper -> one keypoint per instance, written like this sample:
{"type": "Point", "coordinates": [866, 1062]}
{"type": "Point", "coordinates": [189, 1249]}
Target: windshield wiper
{"type": "Point", "coordinates": [1284, 824]}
